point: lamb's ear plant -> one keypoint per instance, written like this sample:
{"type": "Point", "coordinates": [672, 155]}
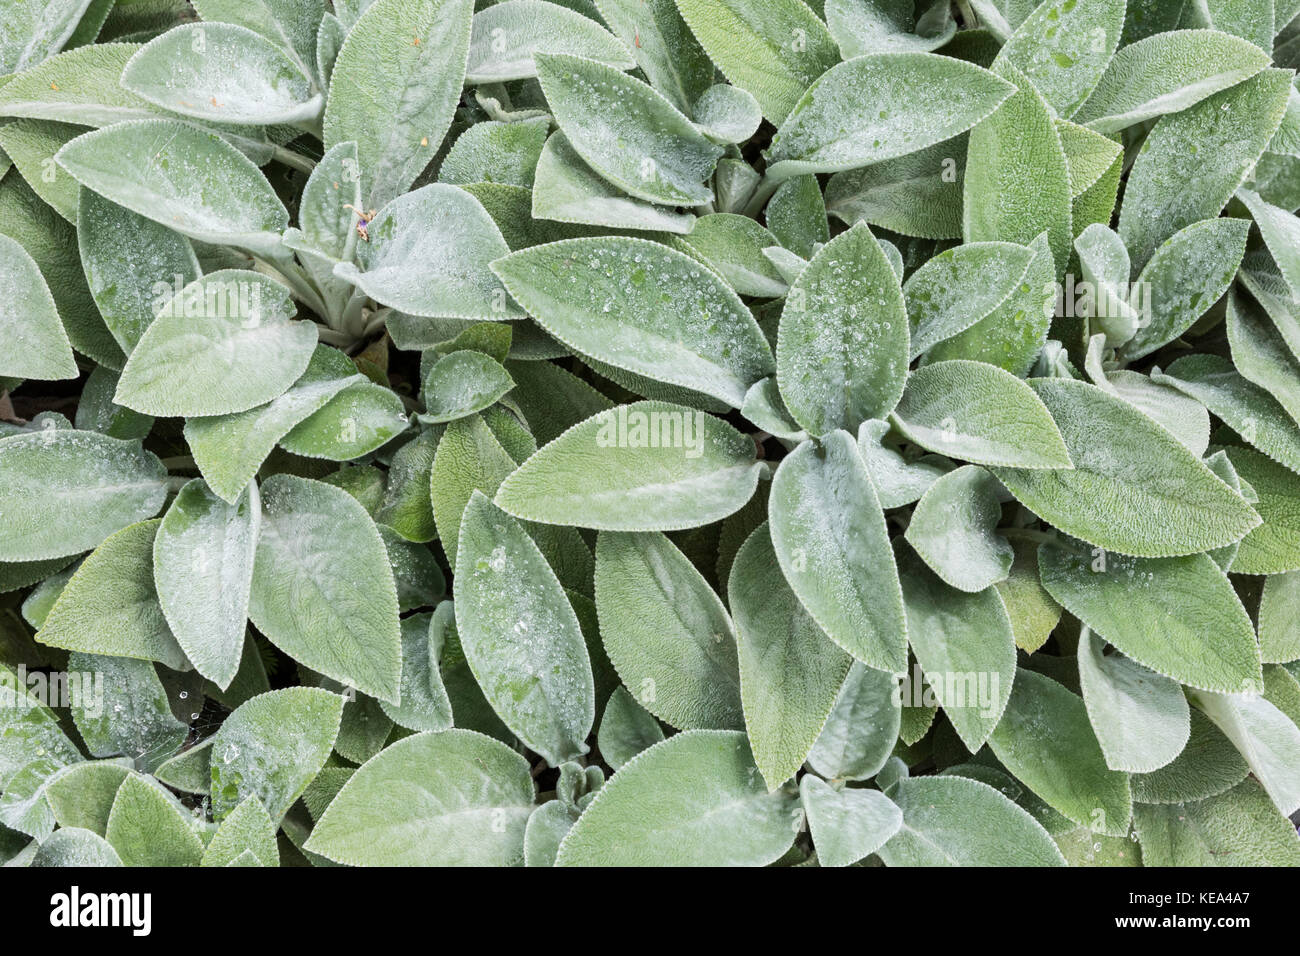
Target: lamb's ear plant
{"type": "Point", "coordinates": [657, 432]}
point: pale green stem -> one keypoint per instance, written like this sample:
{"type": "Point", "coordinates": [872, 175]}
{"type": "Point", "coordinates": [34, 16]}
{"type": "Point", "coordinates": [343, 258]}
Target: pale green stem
{"type": "Point", "coordinates": [294, 160]}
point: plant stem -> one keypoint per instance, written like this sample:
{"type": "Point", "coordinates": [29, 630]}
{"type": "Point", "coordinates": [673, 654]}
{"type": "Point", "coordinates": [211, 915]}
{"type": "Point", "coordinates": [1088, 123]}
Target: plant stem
{"type": "Point", "coordinates": [377, 322]}
{"type": "Point", "coordinates": [294, 160]}
{"type": "Point", "coordinates": [298, 283]}
{"type": "Point", "coordinates": [351, 321]}
{"type": "Point", "coordinates": [331, 337]}
{"type": "Point", "coordinates": [762, 193]}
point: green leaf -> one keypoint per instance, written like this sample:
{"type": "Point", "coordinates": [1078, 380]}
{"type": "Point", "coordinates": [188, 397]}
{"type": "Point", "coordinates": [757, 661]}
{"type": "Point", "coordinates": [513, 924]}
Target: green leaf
{"type": "Point", "coordinates": [847, 824]}
{"type": "Point", "coordinates": [181, 177]}
{"type": "Point", "coordinates": [1281, 232]}
{"type": "Point", "coordinates": [75, 489]}
{"type": "Point", "coordinates": [832, 544]}
{"type": "Point", "coordinates": [51, 241]}
{"type": "Point", "coordinates": [225, 343]}
{"type": "Point", "coordinates": [130, 264]}
{"type": "Point", "coordinates": [1088, 156]}
{"type": "Point", "coordinates": [966, 649]}
{"type": "Point", "coordinates": [31, 146]}
{"type": "Point", "coordinates": [1262, 355]}
{"type": "Point", "coordinates": [1178, 616]}
{"type": "Point", "coordinates": [222, 73]}
{"type": "Point", "coordinates": [425, 705]}
{"type": "Point", "coordinates": [733, 245]}
{"type": "Point", "coordinates": [1265, 736]}
{"type": "Point", "coordinates": [290, 24]}
{"type": "Point", "coordinates": [29, 320]}
{"type": "Point", "coordinates": [496, 152]}
{"type": "Point", "coordinates": [1167, 73]}
{"type": "Point", "coordinates": [627, 132]}
{"type": "Point", "coordinates": [885, 26]}
{"type": "Point", "coordinates": [358, 419]}
{"type": "Point", "coordinates": [451, 799]}
{"type": "Point", "coordinates": [398, 114]}
{"type": "Point", "coordinates": [521, 636]}
{"type": "Point", "coordinates": [29, 730]}
{"type": "Point", "coordinates": [506, 35]}
{"type": "Point", "coordinates": [862, 728]}
{"type": "Point", "coordinates": [190, 771]}
{"type": "Point", "coordinates": [82, 794]}
{"type": "Point", "coordinates": [408, 505]}
{"type": "Point", "coordinates": [77, 86]}
{"type": "Point", "coordinates": [1279, 618]}
{"type": "Point", "coordinates": [1238, 828]}
{"type": "Point", "coordinates": [957, 821]}
{"type": "Point", "coordinates": [131, 716]}
{"type": "Point", "coordinates": [660, 467]}
{"type": "Point", "coordinates": [979, 413]}
{"type": "Point", "coordinates": [149, 827]}
{"type": "Point", "coordinates": [727, 114]}
{"type": "Point", "coordinates": [1044, 738]}
{"type": "Point", "coordinates": [898, 481]}
{"type": "Point", "coordinates": [958, 287]}
{"type": "Point", "coordinates": [72, 846]}
{"type": "Point", "coordinates": [954, 529]}
{"type": "Point", "coordinates": [640, 306]}
{"type": "Point", "coordinates": [229, 449]}
{"type": "Point", "coordinates": [428, 255]}
{"type": "Point", "coordinates": [919, 194]}
{"type": "Point", "coordinates": [796, 214]}
{"type": "Point", "coordinates": [1208, 766]}
{"type": "Point", "coordinates": [667, 633]}
{"type": "Point", "coordinates": [271, 747]}
{"type": "Point", "coordinates": [772, 49]}
{"type": "Point", "coordinates": [248, 829]}
{"type": "Point", "coordinates": [1013, 335]}
{"type": "Point", "coordinates": [1273, 547]}
{"type": "Point", "coordinates": [322, 589]}
{"type": "Point", "coordinates": [1251, 19]}
{"type": "Point", "coordinates": [462, 383]}
{"type": "Point", "coordinates": [567, 190]}
{"type": "Point", "coordinates": [843, 345]}
{"type": "Point", "coordinates": [1134, 488]}
{"type": "Point", "coordinates": [203, 568]}
{"type": "Point", "coordinates": [469, 458]}
{"type": "Point", "coordinates": [110, 605]}
{"type": "Point", "coordinates": [626, 729]}
{"type": "Point", "coordinates": [1185, 277]}
{"type": "Point", "coordinates": [1248, 409]}
{"type": "Point", "coordinates": [33, 33]}
{"type": "Point", "coordinates": [696, 799]}
{"type": "Point", "coordinates": [1193, 161]}
{"type": "Point", "coordinates": [790, 671]}
{"type": "Point", "coordinates": [663, 47]}
{"type": "Point", "coordinates": [1140, 717]}
{"type": "Point", "coordinates": [1106, 268]}
{"type": "Point", "coordinates": [1064, 47]}
{"type": "Point", "coordinates": [99, 413]}
{"type": "Point", "coordinates": [1017, 181]}
{"type": "Point", "coordinates": [547, 826]}
{"type": "Point", "coordinates": [881, 106]}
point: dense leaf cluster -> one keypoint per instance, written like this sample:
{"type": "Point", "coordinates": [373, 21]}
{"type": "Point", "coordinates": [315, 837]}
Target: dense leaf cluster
{"type": "Point", "coordinates": [649, 432]}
